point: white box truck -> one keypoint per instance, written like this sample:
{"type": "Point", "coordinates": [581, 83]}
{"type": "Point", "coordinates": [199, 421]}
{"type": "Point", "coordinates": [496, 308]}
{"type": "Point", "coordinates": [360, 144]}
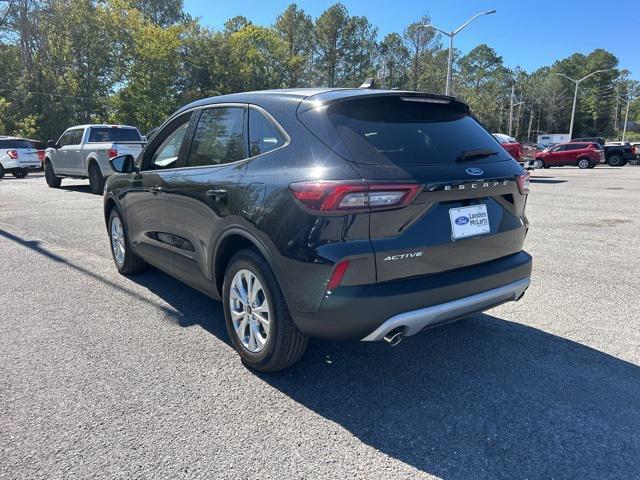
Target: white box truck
{"type": "Point", "coordinates": [553, 139]}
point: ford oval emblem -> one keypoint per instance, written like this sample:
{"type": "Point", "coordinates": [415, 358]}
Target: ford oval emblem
{"type": "Point", "coordinates": [474, 171]}
{"type": "Point", "coordinates": [462, 220]}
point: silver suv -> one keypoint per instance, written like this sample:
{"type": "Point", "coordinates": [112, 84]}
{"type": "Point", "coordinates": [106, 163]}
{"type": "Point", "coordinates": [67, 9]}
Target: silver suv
{"type": "Point", "coordinates": [17, 156]}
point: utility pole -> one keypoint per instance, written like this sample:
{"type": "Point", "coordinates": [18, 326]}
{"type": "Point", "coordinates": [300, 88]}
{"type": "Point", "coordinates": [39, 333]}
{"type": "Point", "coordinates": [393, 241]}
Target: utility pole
{"type": "Point", "coordinates": [615, 115]}
{"type": "Point", "coordinates": [575, 95]}
{"type": "Point", "coordinates": [513, 88]}
{"type": "Point", "coordinates": [511, 105]}
{"type": "Point", "coordinates": [451, 35]}
{"type": "Point", "coordinates": [626, 117]}
{"type": "Point", "coordinates": [519, 119]}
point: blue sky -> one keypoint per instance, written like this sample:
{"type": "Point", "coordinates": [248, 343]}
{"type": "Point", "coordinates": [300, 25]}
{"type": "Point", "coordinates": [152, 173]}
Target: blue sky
{"type": "Point", "coordinates": [524, 33]}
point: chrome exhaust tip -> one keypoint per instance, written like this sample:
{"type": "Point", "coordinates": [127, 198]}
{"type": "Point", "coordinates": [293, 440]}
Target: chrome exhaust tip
{"type": "Point", "coordinates": [394, 337]}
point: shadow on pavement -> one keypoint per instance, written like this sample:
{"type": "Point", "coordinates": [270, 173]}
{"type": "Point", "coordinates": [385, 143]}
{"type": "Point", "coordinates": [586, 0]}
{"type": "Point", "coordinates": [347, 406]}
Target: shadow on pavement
{"type": "Point", "coordinates": [481, 398]}
{"type": "Point", "coordinates": [77, 188]}
{"type": "Point", "coordinates": [546, 180]}
{"type": "Point", "coordinates": [36, 246]}
{"type": "Point", "coordinates": [191, 307]}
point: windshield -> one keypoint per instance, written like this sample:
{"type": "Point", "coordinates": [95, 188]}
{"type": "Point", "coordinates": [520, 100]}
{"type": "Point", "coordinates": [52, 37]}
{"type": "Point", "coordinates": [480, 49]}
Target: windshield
{"type": "Point", "coordinates": [113, 134]}
{"type": "Point", "coordinates": [407, 131]}
{"type": "Point", "coordinates": [17, 144]}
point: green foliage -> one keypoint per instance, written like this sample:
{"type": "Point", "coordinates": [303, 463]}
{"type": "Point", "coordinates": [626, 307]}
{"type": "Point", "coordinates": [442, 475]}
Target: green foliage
{"type": "Point", "coordinates": [4, 108]}
{"type": "Point", "coordinates": [296, 30]}
{"type": "Point", "coordinates": [27, 127]}
{"type": "Point", "coordinates": [66, 62]}
{"type": "Point", "coordinates": [258, 58]}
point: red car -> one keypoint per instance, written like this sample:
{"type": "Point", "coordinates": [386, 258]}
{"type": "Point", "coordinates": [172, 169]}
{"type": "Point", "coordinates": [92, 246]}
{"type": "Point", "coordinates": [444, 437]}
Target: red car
{"type": "Point", "coordinates": [510, 144]}
{"type": "Point", "coordinates": [584, 155]}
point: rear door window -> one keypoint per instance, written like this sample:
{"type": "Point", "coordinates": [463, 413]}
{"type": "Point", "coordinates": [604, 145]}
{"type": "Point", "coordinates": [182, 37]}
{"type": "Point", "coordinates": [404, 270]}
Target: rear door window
{"type": "Point", "coordinates": [219, 137]}
{"type": "Point", "coordinates": [404, 131]}
{"type": "Point", "coordinates": [113, 135]}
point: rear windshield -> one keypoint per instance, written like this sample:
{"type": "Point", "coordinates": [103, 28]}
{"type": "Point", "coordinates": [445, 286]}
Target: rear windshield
{"type": "Point", "coordinates": [113, 134]}
{"type": "Point", "coordinates": [16, 143]}
{"type": "Point", "coordinates": [407, 131]}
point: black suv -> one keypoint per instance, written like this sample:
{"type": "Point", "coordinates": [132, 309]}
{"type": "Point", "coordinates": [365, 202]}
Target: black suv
{"type": "Point", "coordinates": [346, 214]}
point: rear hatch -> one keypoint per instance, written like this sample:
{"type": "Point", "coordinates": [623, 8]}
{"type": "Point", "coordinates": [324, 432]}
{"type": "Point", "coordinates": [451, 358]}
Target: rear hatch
{"type": "Point", "coordinates": [469, 210]}
{"type": "Point", "coordinates": [24, 150]}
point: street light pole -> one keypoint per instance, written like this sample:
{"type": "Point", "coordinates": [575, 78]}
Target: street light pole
{"type": "Point", "coordinates": [451, 35]}
{"type": "Point", "coordinates": [575, 95]}
{"type": "Point", "coordinates": [449, 66]}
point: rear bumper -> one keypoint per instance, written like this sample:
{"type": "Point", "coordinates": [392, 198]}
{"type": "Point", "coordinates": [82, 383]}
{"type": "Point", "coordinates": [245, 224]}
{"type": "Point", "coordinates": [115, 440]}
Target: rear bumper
{"type": "Point", "coordinates": [415, 321]}
{"type": "Point", "coordinates": [17, 165]}
{"type": "Point", "coordinates": [368, 312]}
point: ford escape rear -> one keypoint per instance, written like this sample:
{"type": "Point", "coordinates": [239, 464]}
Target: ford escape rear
{"type": "Point", "coordinates": [344, 214]}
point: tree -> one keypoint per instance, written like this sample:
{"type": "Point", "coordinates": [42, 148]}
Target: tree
{"type": "Point", "coordinates": [296, 30]}
{"type": "Point", "coordinates": [330, 43]}
{"type": "Point", "coordinates": [151, 57]}
{"type": "Point", "coordinates": [421, 42]}
{"type": "Point", "coordinates": [258, 58]}
{"type": "Point", "coordinates": [235, 24]}
{"type": "Point", "coordinates": [393, 60]}
{"type": "Point", "coordinates": [161, 12]}
{"type": "Point", "coordinates": [483, 82]}
{"type": "Point", "coordinates": [345, 47]}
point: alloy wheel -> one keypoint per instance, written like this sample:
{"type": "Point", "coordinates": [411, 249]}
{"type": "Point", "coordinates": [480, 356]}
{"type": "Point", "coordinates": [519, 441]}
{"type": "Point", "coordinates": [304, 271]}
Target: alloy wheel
{"type": "Point", "coordinates": [117, 240]}
{"type": "Point", "coordinates": [250, 313]}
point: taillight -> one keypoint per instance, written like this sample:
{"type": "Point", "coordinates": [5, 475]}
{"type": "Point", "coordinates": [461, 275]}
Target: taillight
{"type": "Point", "coordinates": [338, 273]}
{"type": "Point", "coordinates": [336, 196]}
{"type": "Point", "coordinates": [13, 154]}
{"type": "Point", "coordinates": [523, 182]}
{"type": "Point", "coordinates": [112, 152]}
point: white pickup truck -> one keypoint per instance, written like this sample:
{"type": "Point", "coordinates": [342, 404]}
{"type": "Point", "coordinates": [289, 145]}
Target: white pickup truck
{"type": "Point", "coordinates": [84, 152]}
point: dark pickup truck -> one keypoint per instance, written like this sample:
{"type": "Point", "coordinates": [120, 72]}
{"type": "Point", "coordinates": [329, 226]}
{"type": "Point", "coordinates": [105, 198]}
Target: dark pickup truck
{"type": "Point", "coordinates": [616, 154]}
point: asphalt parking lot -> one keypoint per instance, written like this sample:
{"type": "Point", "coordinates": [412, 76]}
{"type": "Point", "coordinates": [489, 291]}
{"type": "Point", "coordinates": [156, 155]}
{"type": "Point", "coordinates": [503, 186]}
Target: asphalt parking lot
{"type": "Point", "coordinates": [103, 376]}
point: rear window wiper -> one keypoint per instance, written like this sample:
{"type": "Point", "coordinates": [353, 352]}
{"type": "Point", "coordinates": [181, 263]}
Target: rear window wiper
{"type": "Point", "coordinates": [476, 153]}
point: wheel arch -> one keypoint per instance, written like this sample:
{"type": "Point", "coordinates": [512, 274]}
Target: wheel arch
{"type": "Point", "coordinates": [109, 204]}
{"type": "Point", "coordinates": [92, 159]}
{"type": "Point", "coordinates": [232, 241]}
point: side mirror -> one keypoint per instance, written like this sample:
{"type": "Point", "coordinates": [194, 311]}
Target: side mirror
{"type": "Point", "coordinates": [123, 164]}
{"type": "Point", "coordinates": [52, 144]}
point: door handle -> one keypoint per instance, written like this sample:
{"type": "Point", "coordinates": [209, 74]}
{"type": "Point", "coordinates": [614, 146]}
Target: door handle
{"type": "Point", "coordinates": [217, 194]}
{"type": "Point", "coordinates": [156, 190]}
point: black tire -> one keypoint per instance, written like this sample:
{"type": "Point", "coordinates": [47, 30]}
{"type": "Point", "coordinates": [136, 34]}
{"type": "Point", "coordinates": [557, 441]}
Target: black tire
{"type": "Point", "coordinates": [96, 180]}
{"type": "Point", "coordinates": [584, 163]}
{"type": "Point", "coordinates": [593, 165]}
{"type": "Point", "coordinates": [615, 160]}
{"type": "Point", "coordinates": [50, 176]}
{"type": "Point", "coordinates": [21, 173]}
{"type": "Point", "coordinates": [132, 263]}
{"type": "Point", "coordinates": [2, 171]}
{"type": "Point", "coordinates": [544, 164]}
{"type": "Point", "coordinates": [285, 344]}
